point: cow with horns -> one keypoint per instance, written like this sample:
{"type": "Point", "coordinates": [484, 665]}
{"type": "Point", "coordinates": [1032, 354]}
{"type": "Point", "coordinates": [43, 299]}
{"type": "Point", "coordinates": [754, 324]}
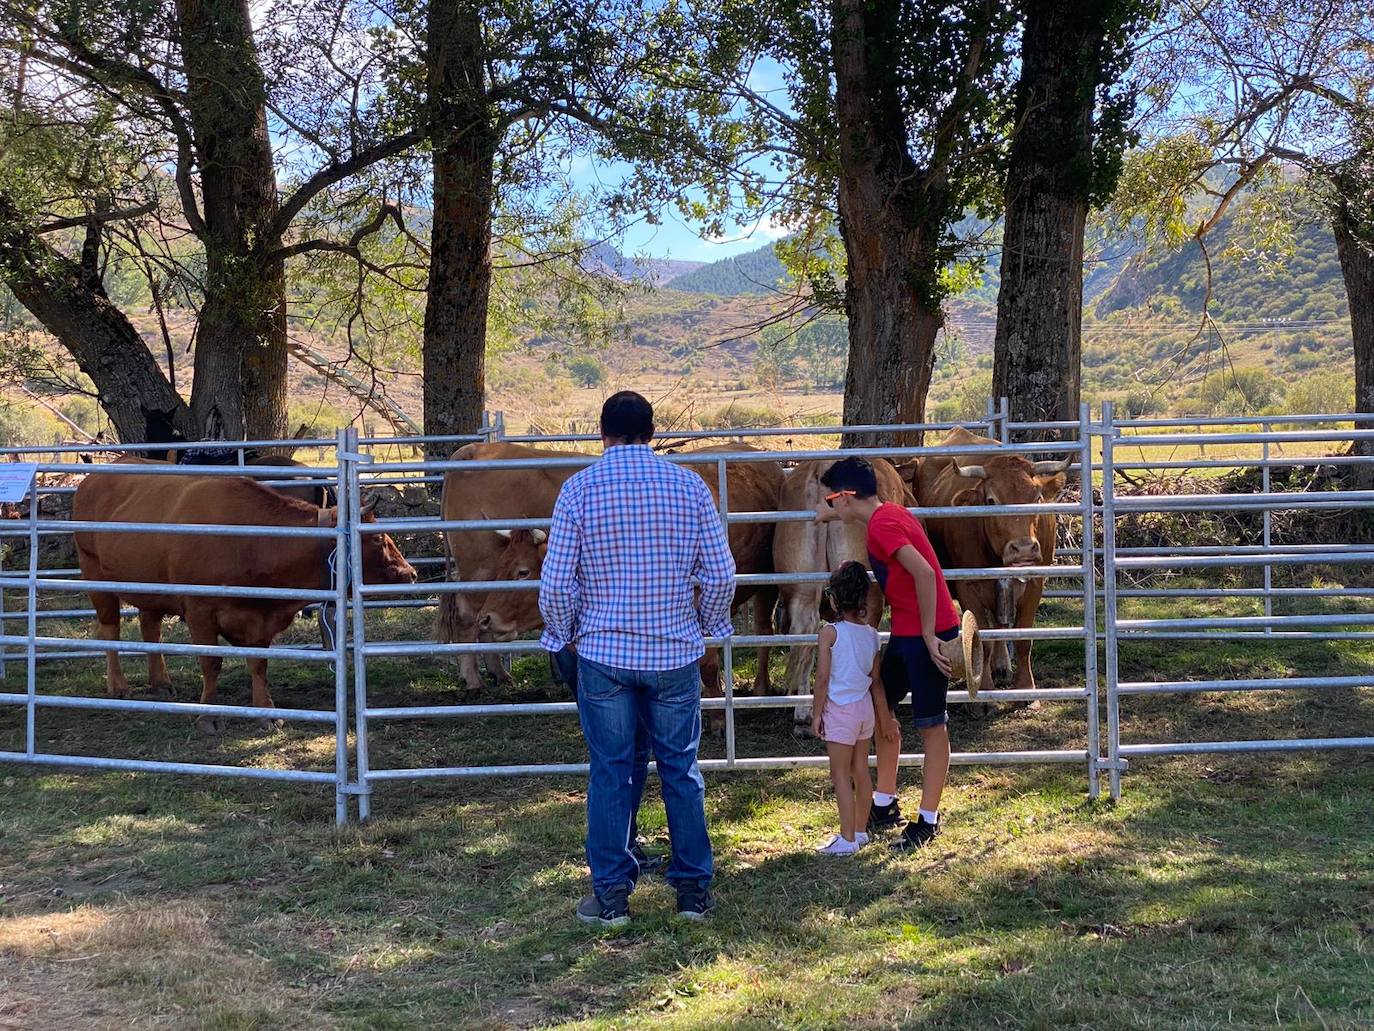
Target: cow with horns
{"type": "Point", "coordinates": [975, 542]}
{"type": "Point", "coordinates": [750, 487]}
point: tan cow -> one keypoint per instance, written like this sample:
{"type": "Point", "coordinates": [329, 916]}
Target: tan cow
{"type": "Point", "coordinates": [750, 486]}
{"type": "Point", "coordinates": [1001, 540]}
{"type": "Point", "coordinates": [477, 554]}
{"type": "Point", "coordinates": [808, 547]}
{"type": "Point", "coordinates": [238, 560]}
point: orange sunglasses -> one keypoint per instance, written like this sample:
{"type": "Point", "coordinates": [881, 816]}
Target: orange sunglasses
{"type": "Point", "coordinates": [830, 498]}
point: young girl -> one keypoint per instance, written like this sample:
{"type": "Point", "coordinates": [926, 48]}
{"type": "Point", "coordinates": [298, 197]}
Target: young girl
{"type": "Point", "coordinates": [846, 677]}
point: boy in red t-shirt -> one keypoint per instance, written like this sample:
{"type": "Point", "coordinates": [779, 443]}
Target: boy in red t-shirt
{"type": "Point", "coordinates": [923, 614]}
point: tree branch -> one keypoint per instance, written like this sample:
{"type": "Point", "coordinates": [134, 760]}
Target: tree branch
{"type": "Point", "coordinates": [338, 171]}
{"type": "Point", "coordinates": [99, 218]}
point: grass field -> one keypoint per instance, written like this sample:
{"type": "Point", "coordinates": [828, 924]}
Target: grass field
{"type": "Point", "coordinates": [1223, 890]}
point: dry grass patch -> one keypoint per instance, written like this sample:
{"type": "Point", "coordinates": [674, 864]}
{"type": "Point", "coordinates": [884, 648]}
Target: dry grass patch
{"type": "Point", "coordinates": [138, 964]}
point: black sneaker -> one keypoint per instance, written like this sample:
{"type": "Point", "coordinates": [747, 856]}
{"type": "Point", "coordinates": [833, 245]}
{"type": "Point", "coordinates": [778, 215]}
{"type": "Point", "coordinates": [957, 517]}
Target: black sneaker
{"type": "Point", "coordinates": [611, 909]}
{"type": "Point", "coordinates": [648, 862]}
{"type": "Point", "coordinates": [880, 817]}
{"type": "Point", "coordinates": [916, 835]}
{"type": "Point", "coordinates": [695, 903]}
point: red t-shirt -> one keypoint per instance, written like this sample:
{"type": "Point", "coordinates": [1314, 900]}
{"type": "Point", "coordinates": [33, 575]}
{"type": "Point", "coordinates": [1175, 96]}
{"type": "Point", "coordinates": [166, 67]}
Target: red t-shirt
{"type": "Point", "coordinates": [891, 529]}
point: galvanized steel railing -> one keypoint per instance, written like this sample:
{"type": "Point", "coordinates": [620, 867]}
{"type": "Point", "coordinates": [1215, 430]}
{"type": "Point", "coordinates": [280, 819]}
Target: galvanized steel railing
{"type": "Point", "coordinates": [349, 599]}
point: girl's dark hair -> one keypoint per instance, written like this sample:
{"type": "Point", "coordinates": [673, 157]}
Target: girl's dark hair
{"type": "Point", "coordinates": [849, 587]}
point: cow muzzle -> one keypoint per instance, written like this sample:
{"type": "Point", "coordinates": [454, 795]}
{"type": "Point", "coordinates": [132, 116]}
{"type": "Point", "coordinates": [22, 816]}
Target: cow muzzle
{"type": "Point", "coordinates": [1024, 551]}
{"type": "Point", "coordinates": [491, 628]}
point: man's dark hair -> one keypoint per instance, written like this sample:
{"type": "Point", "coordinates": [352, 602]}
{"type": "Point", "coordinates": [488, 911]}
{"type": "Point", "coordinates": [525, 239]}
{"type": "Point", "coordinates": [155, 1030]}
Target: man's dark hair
{"type": "Point", "coordinates": [849, 588]}
{"type": "Point", "coordinates": [854, 474]}
{"type": "Point", "coordinates": [629, 417]}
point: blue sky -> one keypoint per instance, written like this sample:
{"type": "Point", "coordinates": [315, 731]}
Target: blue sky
{"type": "Point", "coordinates": [674, 237]}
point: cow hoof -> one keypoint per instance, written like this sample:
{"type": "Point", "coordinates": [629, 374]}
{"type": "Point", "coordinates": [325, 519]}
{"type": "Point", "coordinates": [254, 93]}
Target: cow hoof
{"type": "Point", "coordinates": [802, 731]}
{"type": "Point", "coordinates": [268, 726]}
{"type": "Point", "coordinates": [210, 726]}
{"type": "Point", "coordinates": [158, 693]}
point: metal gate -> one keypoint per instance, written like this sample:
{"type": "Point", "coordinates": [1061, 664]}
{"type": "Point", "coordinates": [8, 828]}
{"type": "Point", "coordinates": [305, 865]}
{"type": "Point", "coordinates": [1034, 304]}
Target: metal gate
{"type": "Point", "coordinates": [1094, 583]}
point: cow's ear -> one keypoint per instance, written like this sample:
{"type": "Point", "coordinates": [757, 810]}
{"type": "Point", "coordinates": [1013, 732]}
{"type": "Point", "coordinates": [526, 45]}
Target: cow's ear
{"type": "Point", "coordinates": [1050, 486]}
{"type": "Point", "coordinates": [968, 496]}
{"type": "Point", "coordinates": [329, 516]}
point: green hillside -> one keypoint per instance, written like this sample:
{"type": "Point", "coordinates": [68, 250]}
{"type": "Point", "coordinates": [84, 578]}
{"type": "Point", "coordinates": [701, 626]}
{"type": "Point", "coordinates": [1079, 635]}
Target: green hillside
{"type": "Point", "coordinates": [756, 272]}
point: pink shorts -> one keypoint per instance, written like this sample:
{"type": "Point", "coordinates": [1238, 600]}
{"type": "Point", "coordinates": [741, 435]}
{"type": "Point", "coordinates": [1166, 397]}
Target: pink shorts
{"type": "Point", "coordinates": [848, 724]}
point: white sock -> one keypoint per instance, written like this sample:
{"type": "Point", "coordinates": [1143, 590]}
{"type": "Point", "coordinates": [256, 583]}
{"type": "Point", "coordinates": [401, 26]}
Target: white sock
{"type": "Point", "coordinates": [879, 798]}
{"type": "Point", "coordinates": [931, 816]}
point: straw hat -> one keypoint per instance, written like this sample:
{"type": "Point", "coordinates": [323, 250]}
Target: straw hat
{"type": "Point", "coordinates": [965, 654]}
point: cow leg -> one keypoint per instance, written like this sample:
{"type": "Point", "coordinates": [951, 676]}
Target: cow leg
{"type": "Point", "coordinates": [1026, 609]}
{"type": "Point", "coordinates": [764, 603]}
{"type": "Point", "coordinates": [262, 699]}
{"type": "Point", "coordinates": [107, 629]}
{"type": "Point", "coordinates": [159, 680]}
{"type": "Point", "coordinates": [710, 688]}
{"type": "Point", "coordinates": [203, 629]}
{"type": "Point", "coordinates": [801, 605]}
{"type": "Point", "coordinates": [498, 665]}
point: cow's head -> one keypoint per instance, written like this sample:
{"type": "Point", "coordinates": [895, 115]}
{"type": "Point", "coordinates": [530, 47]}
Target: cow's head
{"type": "Point", "coordinates": [508, 613]}
{"type": "Point", "coordinates": [1011, 480]}
{"type": "Point", "coordinates": [383, 562]}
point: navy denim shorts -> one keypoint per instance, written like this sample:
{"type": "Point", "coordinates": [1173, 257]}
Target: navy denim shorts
{"type": "Point", "coordinates": [907, 667]}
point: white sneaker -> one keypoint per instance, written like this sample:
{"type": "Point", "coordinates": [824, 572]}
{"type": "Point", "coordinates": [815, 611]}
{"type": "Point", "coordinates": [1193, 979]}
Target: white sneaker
{"type": "Point", "coordinates": [837, 846]}
{"type": "Point", "coordinates": [861, 838]}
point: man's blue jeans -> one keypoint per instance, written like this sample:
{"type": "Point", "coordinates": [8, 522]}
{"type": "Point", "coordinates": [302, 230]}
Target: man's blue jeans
{"type": "Point", "coordinates": [612, 704]}
{"type": "Point", "coordinates": [566, 661]}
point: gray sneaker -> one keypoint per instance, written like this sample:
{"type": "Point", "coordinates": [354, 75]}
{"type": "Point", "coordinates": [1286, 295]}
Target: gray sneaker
{"type": "Point", "coordinates": [695, 903]}
{"type": "Point", "coordinates": [610, 909]}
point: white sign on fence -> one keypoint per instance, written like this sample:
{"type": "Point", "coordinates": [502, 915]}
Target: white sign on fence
{"type": "Point", "coordinates": [15, 479]}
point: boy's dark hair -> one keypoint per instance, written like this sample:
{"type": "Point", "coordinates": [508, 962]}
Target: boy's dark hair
{"type": "Point", "coordinates": [629, 417]}
{"type": "Point", "coordinates": [854, 474]}
{"type": "Point", "coordinates": [849, 587]}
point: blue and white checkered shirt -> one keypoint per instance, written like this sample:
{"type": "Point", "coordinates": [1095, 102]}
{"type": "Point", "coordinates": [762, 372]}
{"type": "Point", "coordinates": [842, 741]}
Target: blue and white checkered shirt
{"type": "Point", "coordinates": [633, 537]}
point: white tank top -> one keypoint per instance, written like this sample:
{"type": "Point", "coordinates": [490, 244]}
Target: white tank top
{"type": "Point", "coordinates": [851, 661]}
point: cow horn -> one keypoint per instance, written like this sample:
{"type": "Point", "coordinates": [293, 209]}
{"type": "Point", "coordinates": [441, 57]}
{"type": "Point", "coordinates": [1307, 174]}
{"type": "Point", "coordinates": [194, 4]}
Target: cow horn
{"type": "Point", "coordinates": [368, 506]}
{"type": "Point", "coordinates": [1051, 467]}
{"type": "Point", "coordinates": [503, 533]}
{"type": "Point", "coordinates": [973, 472]}
{"type": "Point", "coordinates": [539, 536]}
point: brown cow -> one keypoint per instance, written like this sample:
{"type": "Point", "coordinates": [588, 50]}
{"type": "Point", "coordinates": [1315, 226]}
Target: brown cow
{"type": "Point", "coordinates": [750, 486]}
{"type": "Point", "coordinates": [477, 554]}
{"type": "Point", "coordinates": [314, 491]}
{"type": "Point", "coordinates": [232, 560]}
{"type": "Point", "coordinates": [809, 547]}
{"type": "Point", "coordinates": [1000, 540]}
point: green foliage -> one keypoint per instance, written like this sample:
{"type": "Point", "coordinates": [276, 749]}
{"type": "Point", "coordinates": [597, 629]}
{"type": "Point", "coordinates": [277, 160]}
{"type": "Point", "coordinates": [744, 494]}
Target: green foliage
{"type": "Point", "coordinates": [1239, 392]}
{"type": "Point", "coordinates": [586, 371]}
{"type": "Point", "coordinates": [1319, 392]}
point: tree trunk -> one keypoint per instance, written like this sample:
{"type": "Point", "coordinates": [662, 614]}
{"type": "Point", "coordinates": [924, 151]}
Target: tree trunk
{"type": "Point", "coordinates": [1037, 360]}
{"type": "Point", "coordinates": [1354, 231]}
{"type": "Point", "coordinates": [465, 141]}
{"type": "Point", "coordinates": [239, 378]}
{"type": "Point", "coordinates": [891, 240]}
{"type": "Point", "coordinates": [132, 389]}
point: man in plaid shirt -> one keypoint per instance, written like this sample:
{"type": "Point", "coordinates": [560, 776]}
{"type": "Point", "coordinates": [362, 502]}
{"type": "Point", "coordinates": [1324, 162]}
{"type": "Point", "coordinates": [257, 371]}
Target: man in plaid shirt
{"type": "Point", "coordinates": [638, 573]}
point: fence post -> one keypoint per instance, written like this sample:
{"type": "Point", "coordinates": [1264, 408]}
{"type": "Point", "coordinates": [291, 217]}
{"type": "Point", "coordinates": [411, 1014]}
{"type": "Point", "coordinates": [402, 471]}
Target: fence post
{"type": "Point", "coordinates": [339, 563]}
{"type": "Point", "coordinates": [1085, 479]}
{"type": "Point", "coordinates": [727, 658]}
{"type": "Point", "coordinates": [1109, 596]}
{"type": "Point", "coordinates": [352, 460]}
{"type": "Point", "coordinates": [31, 647]}
{"type": "Point", "coordinates": [1004, 420]}
{"type": "Point", "coordinates": [1268, 569]}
